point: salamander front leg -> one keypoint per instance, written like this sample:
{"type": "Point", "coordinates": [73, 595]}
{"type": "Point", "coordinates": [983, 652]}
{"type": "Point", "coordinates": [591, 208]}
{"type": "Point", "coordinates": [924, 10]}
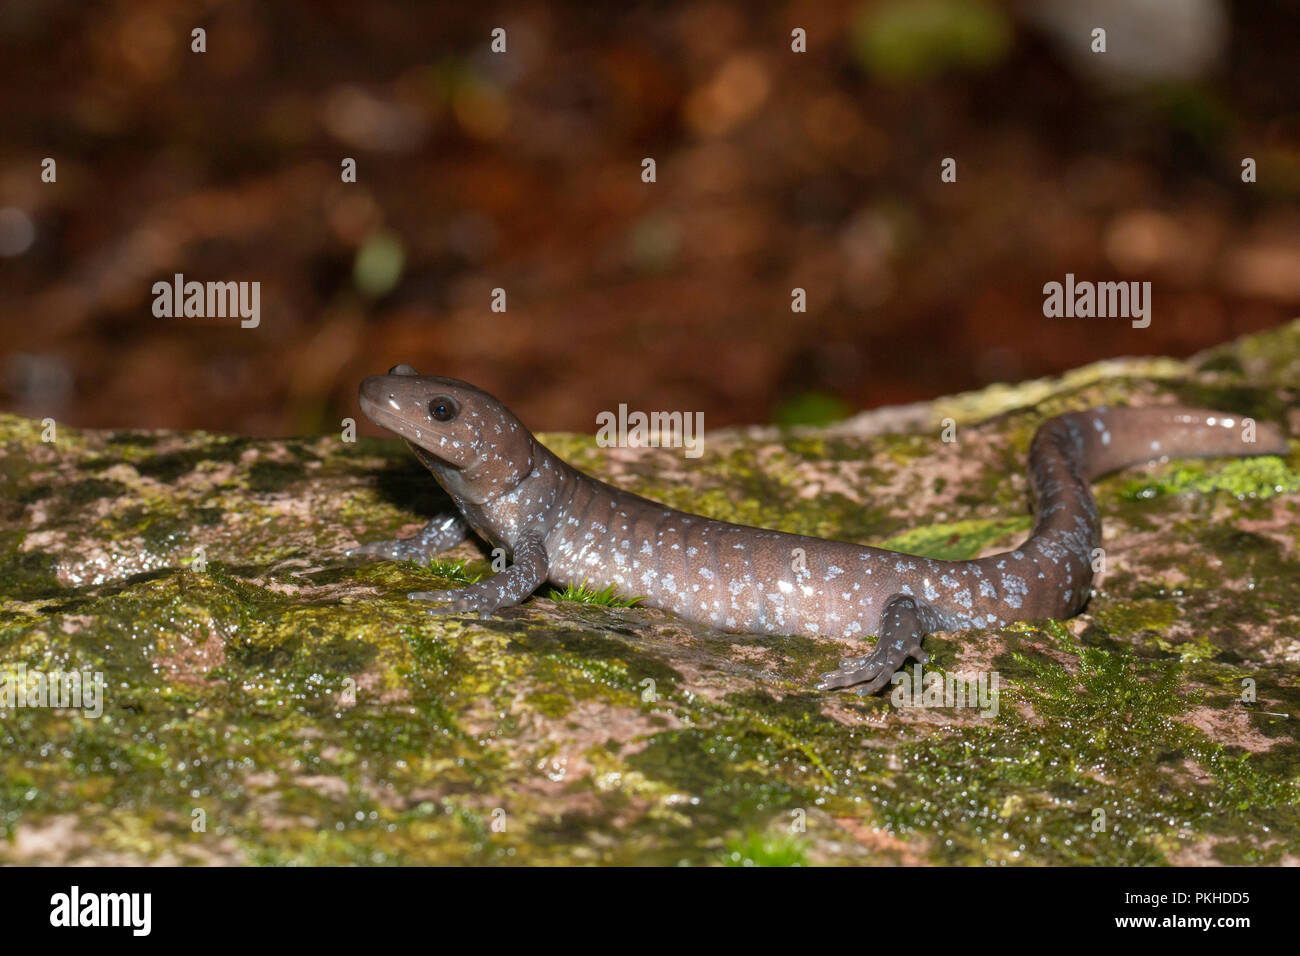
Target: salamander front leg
{"type": "Point", "coordinates": [440, 534]}
{"type": "Point", "coordinates": [506, 589]}
{"type": "Point", "coordinates": [901, 630]}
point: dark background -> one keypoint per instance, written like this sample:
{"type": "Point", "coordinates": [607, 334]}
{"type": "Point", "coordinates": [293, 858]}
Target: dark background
{"type": "Point", "coordinates": [775, 170]}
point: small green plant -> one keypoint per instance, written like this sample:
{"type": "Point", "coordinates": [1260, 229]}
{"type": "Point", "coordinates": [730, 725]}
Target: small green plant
{"type": "Point", "coordinates": [759, 849]}
{"type": "Point", "coordinates": [585, 595]}
{"type": "Point", "coordinates": [812, 408]}
{"type": "Point", "coordinates": [453, 569]}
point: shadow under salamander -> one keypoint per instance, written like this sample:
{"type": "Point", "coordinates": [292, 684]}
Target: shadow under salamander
{"type": "Point", "coordinates": [409, 486]}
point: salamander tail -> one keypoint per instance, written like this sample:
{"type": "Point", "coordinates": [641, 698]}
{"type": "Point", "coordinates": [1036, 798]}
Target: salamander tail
{"type": "Point", "coordinates": [1114, 438]}
{"type": "Point", "coordinates": [1070, 451]}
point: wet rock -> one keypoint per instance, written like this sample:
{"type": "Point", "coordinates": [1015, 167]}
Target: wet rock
{"type": "Point", "coordinates": [266, 699]}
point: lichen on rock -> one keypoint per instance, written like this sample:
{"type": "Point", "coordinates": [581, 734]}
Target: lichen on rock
{"type": "Point", "coordinates": [268, 700]}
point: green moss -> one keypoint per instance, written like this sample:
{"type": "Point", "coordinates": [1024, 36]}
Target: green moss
{"type": "Point", "coordinates": [607, 597]}
{"type": "Point", "coordinates": [1242, 477]}
{"type": "Point", "coordinates": [454, 570]}
{"type": "Point", "coordinates": [32, 494]}
{"type": "Point", "coordinates": [599, 658]}
{"type": "Point", "coordinates": [760, 849]}
{"type": "Point", "coordinates": [92, 489]}
{"type": "Point", "coordinates": [169, 466]}
{"type": "Point", "coordinates": [1189, 651]}
{"type": "Point", "coordinates": [132, 438]}
{"type": "Point", "coordinates": [1105, 736]}
{"type": "Point", "coordinates": [28, 575]}
{"type": "Point", "coordinates": [960, 541]}
{"type": "Point", "coordinates": [733, 772]}
{"type": "Point", "coordinates": [550, 704]}
{"type": "Point", "coordinates": [207, 517]}
{"type": "Point", "coordinates": [904, 449]}
{"type": "Point", "coordinates": [272, 476]}
{"type": "Point", "coordinates": [1134, 617]}
{"type": "Point", "coordinates": [811, 408]}
{"type": "Point", "coordinates": [1221, 363]}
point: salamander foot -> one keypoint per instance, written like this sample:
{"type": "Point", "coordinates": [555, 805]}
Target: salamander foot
{"type": "Point", "coordinates": [901, 631]}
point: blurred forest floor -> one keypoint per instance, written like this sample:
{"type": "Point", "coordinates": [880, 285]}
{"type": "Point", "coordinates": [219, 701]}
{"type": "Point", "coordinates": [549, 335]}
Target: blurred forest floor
{"type": "Point", "coordinates": [522, 171]}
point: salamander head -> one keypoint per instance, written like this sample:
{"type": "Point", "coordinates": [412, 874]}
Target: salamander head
{"type": "Point", "coordinates": [471, 442]}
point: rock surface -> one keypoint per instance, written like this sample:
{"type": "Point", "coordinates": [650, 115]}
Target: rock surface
{"type": "Point", "coordinates": [287, 704]}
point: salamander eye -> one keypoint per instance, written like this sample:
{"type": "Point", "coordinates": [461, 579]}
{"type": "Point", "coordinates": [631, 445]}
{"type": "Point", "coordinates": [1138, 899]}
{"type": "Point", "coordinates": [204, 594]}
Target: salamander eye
{"type": "Point", "coordinates": [442, 409]}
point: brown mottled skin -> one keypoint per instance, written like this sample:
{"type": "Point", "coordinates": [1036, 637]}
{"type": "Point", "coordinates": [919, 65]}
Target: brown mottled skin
{"type": "Point", "coordinates": [565, 527]}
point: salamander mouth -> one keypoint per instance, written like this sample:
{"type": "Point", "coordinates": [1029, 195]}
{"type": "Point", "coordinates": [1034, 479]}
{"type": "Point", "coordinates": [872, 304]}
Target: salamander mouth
{"type": "Point", "coordinates": [379, 403]}
{"type": "Point", "coordinates": [390, 402]}
{"type": "Point", "coordinates": [383, 403]}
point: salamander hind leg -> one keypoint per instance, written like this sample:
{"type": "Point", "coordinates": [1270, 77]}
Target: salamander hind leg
{"type": "Point", "coordinates": [901, 630]}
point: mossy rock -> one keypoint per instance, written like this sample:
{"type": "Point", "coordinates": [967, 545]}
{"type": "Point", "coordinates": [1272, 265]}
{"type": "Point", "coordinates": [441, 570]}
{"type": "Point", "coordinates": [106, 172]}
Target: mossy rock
{"type": "Point", "coordinates": [287, 704]}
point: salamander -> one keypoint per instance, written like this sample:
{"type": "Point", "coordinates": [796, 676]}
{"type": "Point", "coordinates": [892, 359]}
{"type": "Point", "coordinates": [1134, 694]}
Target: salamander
{"type": "Point", "coordinates": [560, 525]}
